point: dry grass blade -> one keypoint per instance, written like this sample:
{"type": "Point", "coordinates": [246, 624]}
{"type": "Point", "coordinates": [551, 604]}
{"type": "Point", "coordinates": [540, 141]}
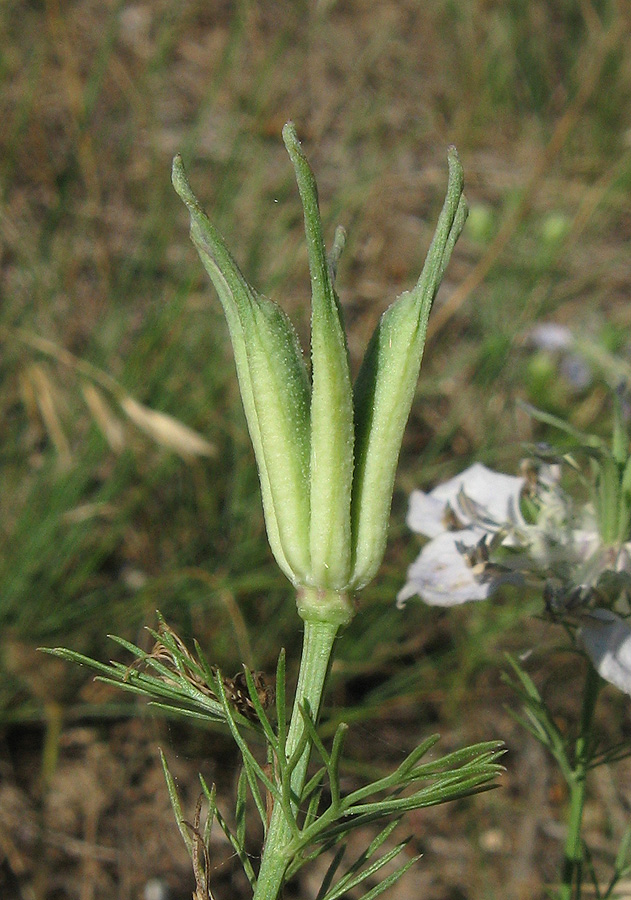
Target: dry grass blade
{"type": "Point", "coordinates": [166, 430]}
{"type": "Point", "coordinates": [45, 397]}
{"type": "Point", "coordinates": [109, 425]}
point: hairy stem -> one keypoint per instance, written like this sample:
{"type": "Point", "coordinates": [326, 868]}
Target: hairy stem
{"type": "Point", "coordinates": [316, 653]}
{"type": "Point", "coordinates": [572, 869]}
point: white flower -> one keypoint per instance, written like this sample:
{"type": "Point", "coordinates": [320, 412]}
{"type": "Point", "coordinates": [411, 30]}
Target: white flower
{"type": "Point", "coordinates": [477, 497]}
{"type": "Point", "coordinates": [480, 540]}
{"type": "Point", "coordinates": [607, 641]}
{"type": "Point", "coordinates": [443, 574]}
{"type": "Point", "coordinates": [477, 506]}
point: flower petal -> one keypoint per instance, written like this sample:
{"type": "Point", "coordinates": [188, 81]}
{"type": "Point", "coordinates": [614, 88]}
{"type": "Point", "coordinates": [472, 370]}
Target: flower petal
{"type": "Point", "coordinates": [494, 500]}
{"type": "Point", "coordinates": [497, 493]}
{"type": "Point", "coordinates": [607, 640]}
{"type": "Point", "coordinates": [426, 514]}
{"type": "Point", "coordinates": [441, 576]}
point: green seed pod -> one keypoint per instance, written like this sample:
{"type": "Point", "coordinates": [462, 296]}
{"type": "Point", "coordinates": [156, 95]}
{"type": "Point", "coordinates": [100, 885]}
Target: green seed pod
{"type": "Point", "coordinates": [386, 384]}
{"type": "Point", "coordinates": [326, 458]}
{"type": "Point", "coordinates": [332, 434]}
{"type": "Point", "coordinates": [274, 389]}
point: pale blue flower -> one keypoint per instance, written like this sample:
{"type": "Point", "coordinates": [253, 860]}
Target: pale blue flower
{"type": "Point", "coordinates": [557, 339]}
{"type": "Point", "coordinates": [551, 336]}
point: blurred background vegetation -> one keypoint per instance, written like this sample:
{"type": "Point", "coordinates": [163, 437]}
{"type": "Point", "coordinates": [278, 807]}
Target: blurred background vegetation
{"type": "Point", "coordinates": [110, 511]}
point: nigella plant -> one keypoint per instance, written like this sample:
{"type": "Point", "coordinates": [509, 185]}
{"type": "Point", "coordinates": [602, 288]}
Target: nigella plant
{"type": "Point", "coordinates": [326, 452]}
{"type": "Point", "coordinates": [487, 529]}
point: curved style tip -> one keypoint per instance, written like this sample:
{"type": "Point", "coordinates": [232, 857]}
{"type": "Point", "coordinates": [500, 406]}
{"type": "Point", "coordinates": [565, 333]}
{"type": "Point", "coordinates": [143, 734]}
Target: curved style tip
{"type": "Point", "coordinates": [455, 168]}
{"type": "Point", "coordinates": [290, 136]}
{"type": "Point", "coordinates": [181, 184]}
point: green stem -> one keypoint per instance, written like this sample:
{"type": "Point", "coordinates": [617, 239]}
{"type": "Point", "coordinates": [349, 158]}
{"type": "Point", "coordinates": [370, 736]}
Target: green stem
{"type": "Point", "coordinates": [572, 870]}
{"type": "Point", "coordinates": [316, 652]}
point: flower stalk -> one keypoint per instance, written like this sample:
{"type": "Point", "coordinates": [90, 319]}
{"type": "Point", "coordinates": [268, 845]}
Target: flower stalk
{"type": "Point", "coordinates": [572, 876]}
{"type": "Point", "coordinates": [319, 637]}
